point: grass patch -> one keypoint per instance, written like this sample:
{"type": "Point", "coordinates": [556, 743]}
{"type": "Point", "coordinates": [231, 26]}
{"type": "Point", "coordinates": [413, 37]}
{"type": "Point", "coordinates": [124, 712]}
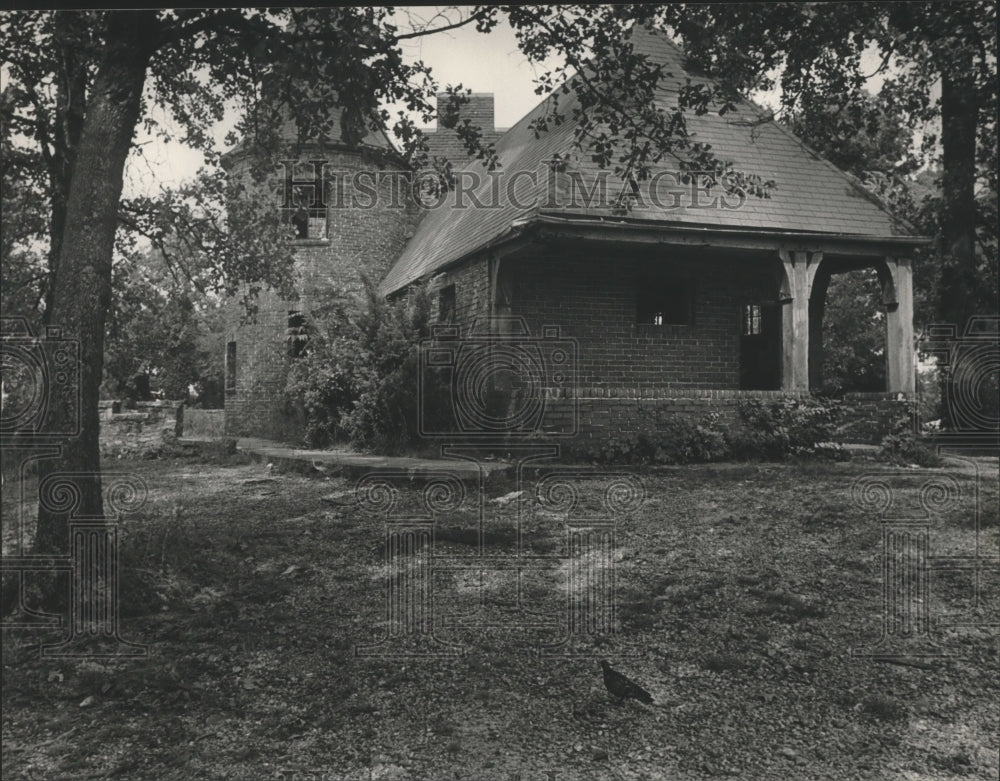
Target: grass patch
{"type": "Point", "coordinates": [787, 606]}
{"type": "Point", "coordinates": [257, 597]}
{"type": "Point", "coordinates": [880, 707]}
{"type": "Point", "coordinates": [722, 662]}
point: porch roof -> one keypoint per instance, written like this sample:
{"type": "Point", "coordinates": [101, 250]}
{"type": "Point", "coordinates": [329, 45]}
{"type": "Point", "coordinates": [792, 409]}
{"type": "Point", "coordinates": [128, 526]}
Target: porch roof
{"type": "Point", "coordinates": [812, 196]}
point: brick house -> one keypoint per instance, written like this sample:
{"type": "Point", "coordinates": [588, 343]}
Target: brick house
{"type": "Point", "coordinates": [688, 301]}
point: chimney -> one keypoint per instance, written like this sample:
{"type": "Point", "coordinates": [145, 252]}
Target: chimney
{"type": "Point", "coordinates": [478, 110]}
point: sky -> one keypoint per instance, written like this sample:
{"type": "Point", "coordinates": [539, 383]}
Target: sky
{"type": "Point", "coordinates": [480, 62]}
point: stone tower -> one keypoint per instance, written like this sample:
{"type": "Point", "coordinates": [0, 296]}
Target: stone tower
{"type": "Point", "coordinates": [352, 212]}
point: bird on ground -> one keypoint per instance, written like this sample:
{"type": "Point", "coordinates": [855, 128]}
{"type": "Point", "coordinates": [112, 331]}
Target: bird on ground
{"type": "Point", "coordinates": [623, 687]}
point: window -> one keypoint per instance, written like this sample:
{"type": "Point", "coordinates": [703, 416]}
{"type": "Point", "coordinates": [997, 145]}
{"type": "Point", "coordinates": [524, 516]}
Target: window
{"type": "Point", "coordinates": [665, 301]}
{"type": "Point", "coordinates": [303, 196]}
{"type": "Point", "coordinates": [751, 320]}
{"type": "Point", "coordinates": [298, 334]}
{"type": "Point", "coordinates": [308, 220]}
{"type": "Point", "coordinates": [230, 366]}
{"type": "Point", "coordinates": [446, 304]}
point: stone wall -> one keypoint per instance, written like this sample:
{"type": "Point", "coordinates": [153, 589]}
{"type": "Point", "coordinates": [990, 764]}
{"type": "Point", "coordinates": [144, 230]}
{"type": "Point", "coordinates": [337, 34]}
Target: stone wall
{"type": "Point", "coordinates": [204, 423]}
{"type": "Point", "coordinates": [141, 431]}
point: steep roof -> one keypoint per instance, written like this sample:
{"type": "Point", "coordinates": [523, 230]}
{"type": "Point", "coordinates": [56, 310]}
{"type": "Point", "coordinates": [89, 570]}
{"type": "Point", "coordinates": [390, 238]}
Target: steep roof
{"type": "Point", "coordinates": [811, 196]}
{"type": "Point", "coordinates": [289, 135]}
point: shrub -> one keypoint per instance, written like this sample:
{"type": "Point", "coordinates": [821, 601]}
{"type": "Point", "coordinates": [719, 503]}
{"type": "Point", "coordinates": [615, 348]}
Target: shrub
{"type": "Point", "coordinates": [323, 381]}
{"type": "Point", "coordinates": [764, 431]}
{"type": "Point", "coordinates": [358, 377]}
{"type": "Point", "coordinates": [790, 427]}
{"type": "Point", "coordinates": [903, 446]}
{"type": "Point", "coordinates": [673, 440]}
{"type": "Point", "coordinates": [680, 441]}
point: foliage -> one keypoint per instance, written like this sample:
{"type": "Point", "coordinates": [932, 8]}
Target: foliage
{"type": "Point", "coordinates": [854, 334]}
{"type": "Point", "coordinates": [763, 431]}
{"type": "Point", "coordinates": [859, 134]}
{"type": "Point", "coordinates": [164, 337]}
{"type": "Point", "coordinates": [672, 440]}
{"type": "Point", "coordinates": [618, 120]}
{"type": "Point", "coordinates": [25, 222]}
{"type": "Point", "coordinates": [790, 427]}
{"type": "Point", "coordinates": [902, 445]}
{"type": "Point", "coordinates": [79, 83]}
{"type": "Point", "coordinates": [814, 53]}
{"type": "Point", "coordinates": [358, 377]}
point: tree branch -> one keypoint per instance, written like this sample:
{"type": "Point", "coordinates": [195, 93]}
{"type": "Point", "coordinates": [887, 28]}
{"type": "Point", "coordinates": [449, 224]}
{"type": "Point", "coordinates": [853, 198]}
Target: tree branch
{"type": "Point", "coordinates": [480, 12]}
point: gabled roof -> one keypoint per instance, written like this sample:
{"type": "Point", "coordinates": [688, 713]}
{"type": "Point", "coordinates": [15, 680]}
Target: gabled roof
{"type": "Point", "coordinates": [812, 195]}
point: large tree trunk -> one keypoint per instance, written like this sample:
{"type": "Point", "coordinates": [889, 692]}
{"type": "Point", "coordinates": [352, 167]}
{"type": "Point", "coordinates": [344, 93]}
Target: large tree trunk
{"type": "Point", "coordinates": [67, 127]}
{"type": "Point", "coordinates": [959, 296]}
{"type": "Point", "coordinates": [82, 290]}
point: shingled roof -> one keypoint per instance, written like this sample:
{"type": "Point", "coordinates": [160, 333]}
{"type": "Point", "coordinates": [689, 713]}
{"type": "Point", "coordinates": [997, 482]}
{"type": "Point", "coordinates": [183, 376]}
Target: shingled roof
{"type": "Point", "coordinates": [811, 196]}
{"type": "Point", "coordinates": [289, 136]}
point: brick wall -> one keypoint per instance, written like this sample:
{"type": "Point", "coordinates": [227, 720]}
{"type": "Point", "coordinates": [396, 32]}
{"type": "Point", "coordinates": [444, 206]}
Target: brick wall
{"type": "Point", "coordinates": [629, 373]}
{"type": "Point", "coordinates": [472, 292]}
{"type": "Point", "coordinates": [870, 416]}
{"type": "Point", "coordinates": [478, 108]}
{"type": "Point", "coordinates": [447, 143]}
{"type": "Point", "coordinates": [365, 233]}
{"type": "Point", "coordinates": [593, 300]}
{"type": "Point", "coordinates": [598, 418]}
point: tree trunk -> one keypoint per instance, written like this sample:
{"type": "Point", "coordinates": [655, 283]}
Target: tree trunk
{"type": "Point", "coordinates": [82, 290]}
{"type": "Point", "coordinates": [67, 126]}
{"type": "Point", "coordinates": [959, 295]}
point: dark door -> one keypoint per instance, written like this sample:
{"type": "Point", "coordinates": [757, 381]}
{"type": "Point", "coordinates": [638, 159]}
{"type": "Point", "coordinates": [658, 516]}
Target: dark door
{"type": "Point", "coordinates": [760, 347]}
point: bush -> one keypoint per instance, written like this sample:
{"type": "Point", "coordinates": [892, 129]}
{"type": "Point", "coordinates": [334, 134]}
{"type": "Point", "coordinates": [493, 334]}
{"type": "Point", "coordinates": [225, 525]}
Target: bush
{"type": "Point", "coordinates": [764, 431]}
{"type": "Point", "coordinates": [358, 378]}
{"type": "Point", "coordinates": [790, 427]}
{"type": "Point", "coordinates": [903, 446]}
{"type": "Point", "coordinates": [674, 440]}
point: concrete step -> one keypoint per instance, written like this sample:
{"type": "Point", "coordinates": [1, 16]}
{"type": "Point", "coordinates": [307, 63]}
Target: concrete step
{"type": "Point", "coordinates": [355, 465]}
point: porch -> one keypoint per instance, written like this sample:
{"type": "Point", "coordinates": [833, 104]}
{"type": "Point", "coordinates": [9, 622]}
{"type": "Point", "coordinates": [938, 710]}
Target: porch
{"type": "Point", "coordinates": [661, 310]}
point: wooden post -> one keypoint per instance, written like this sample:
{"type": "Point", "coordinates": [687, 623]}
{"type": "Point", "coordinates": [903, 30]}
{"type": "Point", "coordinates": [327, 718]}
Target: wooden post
{"type": "Point", "coordinates": [817, 308]}
{"type": "Point", "coordinates": [799, 271]}
{"type": "Point", "coordinates": [900, 356]}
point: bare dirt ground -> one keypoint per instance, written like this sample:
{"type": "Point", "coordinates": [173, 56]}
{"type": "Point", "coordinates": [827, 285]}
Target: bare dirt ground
{"type": "Point", "coordinates": [740, 592]}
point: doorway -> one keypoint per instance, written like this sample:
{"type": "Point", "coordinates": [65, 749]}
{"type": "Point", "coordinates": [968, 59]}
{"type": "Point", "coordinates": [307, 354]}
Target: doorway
{"type": "Point", "coordinates": [760, 346]}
